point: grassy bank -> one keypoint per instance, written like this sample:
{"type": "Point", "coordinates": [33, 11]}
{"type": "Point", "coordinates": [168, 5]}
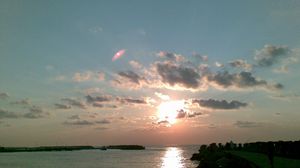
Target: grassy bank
{"type": "Point", "coordinates": [262, 160]}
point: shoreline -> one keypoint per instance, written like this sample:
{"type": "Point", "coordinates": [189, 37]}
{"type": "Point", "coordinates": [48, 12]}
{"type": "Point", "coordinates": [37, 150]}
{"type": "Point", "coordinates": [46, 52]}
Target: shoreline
{"type": "Point", "coordinates": [68, 148]}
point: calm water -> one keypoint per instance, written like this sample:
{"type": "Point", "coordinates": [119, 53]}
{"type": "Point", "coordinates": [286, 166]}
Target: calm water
{"type": "Point", "coordinates": [161, 157]}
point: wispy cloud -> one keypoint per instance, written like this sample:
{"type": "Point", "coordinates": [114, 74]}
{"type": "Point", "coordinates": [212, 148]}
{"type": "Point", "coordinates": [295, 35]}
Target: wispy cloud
{"type": "Point", "coordinates": [74, 102]}
{"type": "Point", "coordinates": [171, 56]}
{"type": "Point", "coordinates": [239, 63]}
{"type": "Point", "coordinates": [24, 102]}
{"type": "Point", "coordinates": [271, 54]}
{"type": "Point", "coordinates": [247, 124]}
{"type": "Point", "coordinates": [36, 112]}
{"type": "Point", "coordinates": [62, 106]}
{"type": "Point", "coordinates": [103, 121]}
{"type": "Point", "coordinates": [131, 100]}
{"type": "Point", "coordinates": [4, 96]}
{"type": "Point", "coordinates": [79, 122]}
{"type": "Point", "coordinates": [135, 64]}
{"type": "Point", "coordinates": [88, 76]}
{"type": "Point", "coordinates": [8, 114]}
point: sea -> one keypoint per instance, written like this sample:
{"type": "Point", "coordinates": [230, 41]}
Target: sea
{"type": "Point", "coordinates": [151, 157]}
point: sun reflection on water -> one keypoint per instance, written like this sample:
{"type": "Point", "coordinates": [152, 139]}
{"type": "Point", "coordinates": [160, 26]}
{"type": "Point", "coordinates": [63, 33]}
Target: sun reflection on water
{"type": "Point", "coordinates": [173, 158]}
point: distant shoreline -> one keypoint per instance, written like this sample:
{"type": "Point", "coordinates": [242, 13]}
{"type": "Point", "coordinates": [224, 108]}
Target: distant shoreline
{"type": "Point", "coordinates": [68, 148]}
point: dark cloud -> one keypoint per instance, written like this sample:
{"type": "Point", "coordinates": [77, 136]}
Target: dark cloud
{"type": "Point", "coordinates": [74, 102]}
{"type": "Point", "coordinates": [195, 114]}
{"type": "Point", "coordinates": [131, 101]}
{"type": "Point", "coordinates": [79, 122]}
{"type": "Point", "coordinates": [271, 54]}
{"type": "Point", "coordinates": [111, 106]}
{"type": "Point", "coordinates": [36, 112]}
{"type": "Point", "coordinates": [101, 128]}
{"type": "Point", "coordinates": [240, 80]}
{"type": "Point", "coordinates": [241, 64]}
{"type": "Point", "coordinates": [220, 104]}
{"type": "Point", "coordinates": [91, 99]}
{"type": "Point", "coordinates": [181, 114]}
{"type": "Point", "coordinates": [62, 106]}
{"type": "Point", "coordinates": [247, 124]}
{"type": "Point", "coordinates": [99, 105]}
{"type": "Point", "coordinates": [7, 114]}
{"type": "Point", "coordinates": [131, 76]}
{"type": "Point", "coordinates": [173, 74]}
{"type": "Point", "coordinates": [203, 58]}
{"type": "Point", "coordinates": [104, 121]}
{"type": "Point", "coordinates": [4, 96]}
{"type": "Point", "coordinates": [290, 96]}
{"type": "Point", "coordinates": [163, 122]}
{"type": "Point", "coordinates": [171, 56]}
{"type": "Point", "coordinates": [73, 117]}
{"type": "Point", "coordinates": [24, 102]}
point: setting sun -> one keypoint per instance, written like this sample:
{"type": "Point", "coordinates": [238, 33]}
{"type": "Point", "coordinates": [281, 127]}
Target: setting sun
{"type": "Point", "coordinates": [168, 111]}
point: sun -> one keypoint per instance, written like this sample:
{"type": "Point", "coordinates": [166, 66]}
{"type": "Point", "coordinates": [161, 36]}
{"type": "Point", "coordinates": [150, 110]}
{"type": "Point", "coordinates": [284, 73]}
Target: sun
{"type": "Point", "coordinates": [168, 111]}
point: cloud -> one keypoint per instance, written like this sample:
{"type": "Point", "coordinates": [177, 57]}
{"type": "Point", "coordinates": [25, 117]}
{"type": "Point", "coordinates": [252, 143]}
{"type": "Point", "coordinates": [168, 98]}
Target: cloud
{"type": "Point", "coordinates": [162, 96]}
{"type": "Point", "coordinates": [101, 128]}
{"type": "Point", "coordinates": [91, 99]}
{"type": "Point", "coordinates": [241, 64]}
{"type": "Point", "coordinates": [100, 76]}
{"type": "Point", "coordinates": [271, 54]}
{"type": "Point", "coordinates": [88, 76]}
{"type": "Point", "coordinates": [203, 58]}
{"type": "Point", "coordinates": [163, 122]}
{"type": "Point", "coordinates": [181, 114]}
{"type": "Point", "coordinates": [219, 104]}
{"type": "Point", "coordinates": [218, 64]}
{"type": "Point", "coordinates": [81, 77]}
{"type": "Point", "coordinates": [239, 80]}
{"type": "Point", "coordinates": [98, 101]}
{"type": "Point", "coordinates": [290, 96]}
{"type": "Point", "coordinates": [73, 117]}
{"type": "Point", "coordinates": [131, 76]}
{"type": "Point", "coordinates": [7, 114]}
{"type": "Point", "coordinates": [136, 65]}
{"type": "Point", "coordinates": [79, 122]}
{"type": "Point", "coordinates": [74, 102]}
{"type": "Point", "coordinates": [172, 74]}
{"type": "Point", "coordinates": [131, 101]}
{"type": "Point", "coordinates": [281, 69]}
{"type": "Point", "coordinates": [194, 114]}
{"type": "Point", "coordinates": [99, 105]}
{"type": "Point", "coordinates": [62, 106]}
{"type": "Point", "coordinates": [4, 96]}
{"type": "Point", "coordinates": [103, 121]}
{"type": "Point", "coordinates": [24, 102]}
{"type": "Point", "coordinates": [247, 124]}
{"type": "Point", "coordinates": [76, 120]}
{"type": "Point", "coordinates": [36, 112]}
{"type": "Point", "coordinates": [171, 56]}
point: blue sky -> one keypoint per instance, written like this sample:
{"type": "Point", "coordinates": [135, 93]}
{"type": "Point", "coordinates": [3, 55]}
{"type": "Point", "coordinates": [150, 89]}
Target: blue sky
{"type": "Point", "coordinates": [234, 65]}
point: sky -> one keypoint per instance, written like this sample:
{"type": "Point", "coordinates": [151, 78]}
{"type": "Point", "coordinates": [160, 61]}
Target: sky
{"type": "Point", "coordinates": [148, 72]}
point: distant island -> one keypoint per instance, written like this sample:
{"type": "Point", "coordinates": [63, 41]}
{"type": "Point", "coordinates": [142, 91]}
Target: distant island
{"type": "Point", "coordinates": [69, 148]}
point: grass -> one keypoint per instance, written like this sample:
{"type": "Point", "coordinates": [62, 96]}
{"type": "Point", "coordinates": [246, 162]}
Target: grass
{"type": "Point", "coordinates": [262, 160]}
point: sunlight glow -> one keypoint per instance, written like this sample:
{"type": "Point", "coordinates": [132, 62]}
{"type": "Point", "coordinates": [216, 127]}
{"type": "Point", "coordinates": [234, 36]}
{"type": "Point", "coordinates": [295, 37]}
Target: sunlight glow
{"type": "Point", "coordinates": [173, 158]}
{"type": "Point", "coordinates": [168, 111]}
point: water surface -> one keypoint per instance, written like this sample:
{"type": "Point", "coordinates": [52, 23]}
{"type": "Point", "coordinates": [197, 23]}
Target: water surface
{"type": "Point", "coordinates": [152, 157]}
